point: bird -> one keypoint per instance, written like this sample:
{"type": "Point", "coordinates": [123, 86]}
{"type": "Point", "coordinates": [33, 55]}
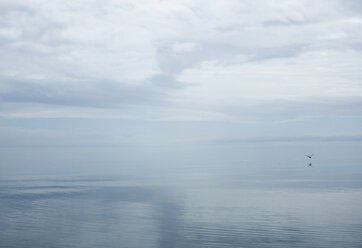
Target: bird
{"type": "Point", "coordinates": [310, 164]}
{"type": "Point", "coordinates": [309, 156]}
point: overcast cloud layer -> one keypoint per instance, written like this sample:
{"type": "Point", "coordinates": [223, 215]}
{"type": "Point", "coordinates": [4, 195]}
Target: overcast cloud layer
{"type": "Point", "coordinates": [181, 60]}
{"type": "Point", "coordinates": [118, 83]}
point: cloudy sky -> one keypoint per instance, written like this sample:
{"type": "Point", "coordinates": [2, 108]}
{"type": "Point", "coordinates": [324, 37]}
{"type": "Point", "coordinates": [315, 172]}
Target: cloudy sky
{"type": "Point", "coordinates": [150, 72]}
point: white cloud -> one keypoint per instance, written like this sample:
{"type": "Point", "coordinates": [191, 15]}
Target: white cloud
{"type": "Point", "coordinates": [313, 74]}
{"type": "Point", "coordinates": [183, 47]}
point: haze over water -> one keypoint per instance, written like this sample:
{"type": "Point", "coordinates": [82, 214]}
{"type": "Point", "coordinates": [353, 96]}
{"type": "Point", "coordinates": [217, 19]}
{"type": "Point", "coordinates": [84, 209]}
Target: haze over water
{"type": "Point", "coordinates": [225, 205]}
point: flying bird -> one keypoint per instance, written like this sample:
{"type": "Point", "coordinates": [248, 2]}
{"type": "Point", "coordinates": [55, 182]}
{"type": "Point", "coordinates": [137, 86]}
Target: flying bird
{"type": "Point", "coordinates": [310, 164]}
{"type": "Point", "coordinates": [309, 156]}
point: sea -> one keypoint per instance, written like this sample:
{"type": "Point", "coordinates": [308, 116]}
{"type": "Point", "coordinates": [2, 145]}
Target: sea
{"type": "Point", "coordinates": [304, 207]}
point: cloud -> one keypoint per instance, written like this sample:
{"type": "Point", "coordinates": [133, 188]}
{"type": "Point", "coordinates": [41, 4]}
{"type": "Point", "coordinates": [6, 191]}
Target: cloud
{"type": "Point", "coordinates": [291, 139]}
{"type": "Point", "coordinates": [90, 94]}
{"type": "Point", "coordinates": [85, 137]}
{"type": "Point", "coordinates": [183, 47]}
{"type": "Point", "coordinates": [323, 79]}
{"type": "Point", "coordinates": [153, 59]}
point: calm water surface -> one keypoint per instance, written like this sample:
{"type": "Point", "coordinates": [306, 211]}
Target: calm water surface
{"type": "Point", "coordinates": [182, 210]}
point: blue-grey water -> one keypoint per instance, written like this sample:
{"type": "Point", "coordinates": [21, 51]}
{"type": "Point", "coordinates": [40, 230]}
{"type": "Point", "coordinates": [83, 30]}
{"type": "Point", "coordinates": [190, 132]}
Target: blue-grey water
{"type": "Point", "coordinates": [299, 208]}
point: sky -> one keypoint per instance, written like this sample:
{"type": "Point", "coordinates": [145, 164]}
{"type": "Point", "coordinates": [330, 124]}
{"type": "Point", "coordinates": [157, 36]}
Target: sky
{"type": "Point", "coordinates": [201, 81]}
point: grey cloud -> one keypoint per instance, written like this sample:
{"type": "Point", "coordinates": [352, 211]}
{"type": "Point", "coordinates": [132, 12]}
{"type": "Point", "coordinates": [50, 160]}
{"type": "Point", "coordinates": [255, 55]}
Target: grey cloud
{"type": "Point", "coordinates": [275, 111]}
{"type": "Point", "coordinates": [165, 81]}
{"type": "Point", "coordinates": [20, 137]}
{"type": "Point", "coordinates": [356, 45]}
{"type": "Point", "coordinates": [289, 22]}
{"type": "Point", "coordinates": [355, 6]}
{"type": "Point", "coordinates": [292, 139]}
{"type": "Point", "coordinates": [105, 94]}
{"type": "Point", "coordinates": [8, 7]}
{"type": "Point", "coordinates": [174, 63]}
{"type": "Point", "coordinates": [30, 25]}
{"type": "Point", "coordinates": [277, 52]}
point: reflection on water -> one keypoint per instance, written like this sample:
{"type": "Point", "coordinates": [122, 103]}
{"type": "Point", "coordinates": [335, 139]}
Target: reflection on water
{"type": "Point", "coordinates": [179, 212]}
